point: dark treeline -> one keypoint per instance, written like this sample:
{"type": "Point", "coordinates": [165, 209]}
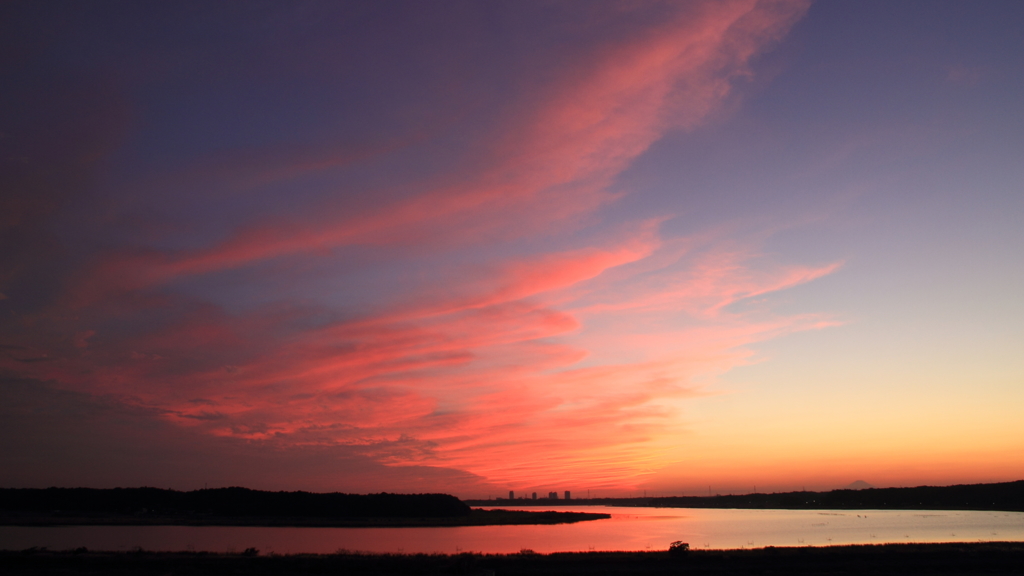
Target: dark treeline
{"type": "Point", "coordinates": [230, 502]}
{"type": "Point", "coordinates": [1007, 496]}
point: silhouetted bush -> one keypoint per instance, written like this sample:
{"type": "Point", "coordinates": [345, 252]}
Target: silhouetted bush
{"type": "Point", "coordinates": [678, 548]}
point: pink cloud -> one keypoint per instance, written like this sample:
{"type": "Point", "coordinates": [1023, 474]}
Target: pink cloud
{"type": "Point", "coordinates": [490, 383]}
{"type": "Point", "coordinates": [550, 161]}
{"type": "Point", "coordinates": [570, 364]}
{"type": "Point", "coordinates": [712, 282]}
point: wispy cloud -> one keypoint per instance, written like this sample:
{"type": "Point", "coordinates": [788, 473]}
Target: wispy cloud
{"type": "Point", "coordinates": [570, 362]}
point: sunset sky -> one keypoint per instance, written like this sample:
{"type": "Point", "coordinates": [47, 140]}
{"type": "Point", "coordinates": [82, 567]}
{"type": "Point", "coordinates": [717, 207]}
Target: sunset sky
{"type": "Point", "coordinates": [473, 247]}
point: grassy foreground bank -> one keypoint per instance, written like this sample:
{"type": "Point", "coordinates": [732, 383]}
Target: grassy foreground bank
{"type": "Point", "coordinates": [889, 559]}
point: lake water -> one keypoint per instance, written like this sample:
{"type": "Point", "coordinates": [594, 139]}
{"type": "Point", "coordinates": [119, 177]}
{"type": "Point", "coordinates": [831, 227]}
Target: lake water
{"type": "Point", "coordinates": [627, 529]}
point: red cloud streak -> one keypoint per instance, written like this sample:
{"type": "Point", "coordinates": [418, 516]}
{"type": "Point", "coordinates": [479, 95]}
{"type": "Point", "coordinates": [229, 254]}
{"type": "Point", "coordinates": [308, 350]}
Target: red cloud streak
{"type": "Point", "coordinates": [537, 369]}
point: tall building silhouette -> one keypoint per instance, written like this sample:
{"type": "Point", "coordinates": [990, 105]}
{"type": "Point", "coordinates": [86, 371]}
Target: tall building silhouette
{"type": "Point", "coordinates": [566, 494]}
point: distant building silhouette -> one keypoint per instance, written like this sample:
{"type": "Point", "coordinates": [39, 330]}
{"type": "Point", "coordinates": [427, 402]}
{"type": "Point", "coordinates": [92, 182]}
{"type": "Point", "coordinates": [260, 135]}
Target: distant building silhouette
{"type": "Point", "coordinates": [534, 495]}
{"type": "Point", "coordinates": [566, 494]}
{"type": "Point", "coordinates": [553, 495]}
{"type": "Point", "coordinates": [511, 495]}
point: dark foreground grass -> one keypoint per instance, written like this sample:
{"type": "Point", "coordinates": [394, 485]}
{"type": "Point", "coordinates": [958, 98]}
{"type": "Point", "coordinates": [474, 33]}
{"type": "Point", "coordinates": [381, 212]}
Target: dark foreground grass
{"type": "Point", "coordinates": [889, 559]}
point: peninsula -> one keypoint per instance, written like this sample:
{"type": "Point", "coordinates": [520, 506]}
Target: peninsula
{"type": "Point", "coordinates": [244, 507]}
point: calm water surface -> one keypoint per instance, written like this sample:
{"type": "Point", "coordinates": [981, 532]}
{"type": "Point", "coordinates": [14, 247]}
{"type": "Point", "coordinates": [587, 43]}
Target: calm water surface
{"type": "Point", "coordinates": [627, 529]}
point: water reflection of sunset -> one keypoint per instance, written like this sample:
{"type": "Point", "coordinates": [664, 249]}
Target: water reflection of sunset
{"type": "Point", "coordinates": [628, 529]}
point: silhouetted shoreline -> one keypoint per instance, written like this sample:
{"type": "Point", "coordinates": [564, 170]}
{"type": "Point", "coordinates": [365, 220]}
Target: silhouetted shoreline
{"type": "Point", "coordinates": [245, 507]}
{"type": "Point", "coordinates": [476, 517]}
{"type": "Point", "coordinates": [1003, 496]}
{"type": "Point", "coordinates": [887, 559]}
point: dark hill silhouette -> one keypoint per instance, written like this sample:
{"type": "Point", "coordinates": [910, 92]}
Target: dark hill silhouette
{"type": "Point", "coordinates": [230, 502]}
{"type": "Point", "coordinates": [1005, 496]}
